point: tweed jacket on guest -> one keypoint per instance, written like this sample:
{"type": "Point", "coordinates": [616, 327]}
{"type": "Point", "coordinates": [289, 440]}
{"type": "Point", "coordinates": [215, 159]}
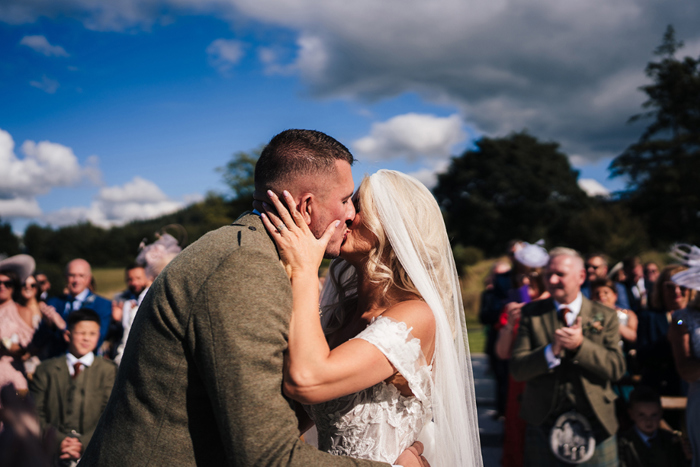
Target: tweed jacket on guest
{"type": "Point", "coordinates": [200, 381]}
{"type": "Point", "coordinates": [49, 388]}
{"type": "Point", "coordinates": [598, 361]}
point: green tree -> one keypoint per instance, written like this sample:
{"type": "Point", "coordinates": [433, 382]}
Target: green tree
{"type": "Point", "coordinates": [607, 226]}
{"type": "Point", "coordinates": [239, 173]}
{"type": "Point", "coordinates": [511, 187]}
{"type": "Point", "coordinates": [9, 243]}
{"type": "Point", "coordinates": [663, 166]}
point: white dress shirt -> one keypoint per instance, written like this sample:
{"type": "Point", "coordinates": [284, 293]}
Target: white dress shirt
{"type": "Point", "coordinates": [79, 299]}
{"type": "Point", "coordinates": [86, 360]}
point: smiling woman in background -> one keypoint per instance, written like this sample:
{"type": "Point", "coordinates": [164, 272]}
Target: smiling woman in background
{"type": "Point", "coordinates": [15, 332]}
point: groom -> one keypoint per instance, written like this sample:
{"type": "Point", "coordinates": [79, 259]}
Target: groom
{"type": "Point", "coordinates": [200, 381]}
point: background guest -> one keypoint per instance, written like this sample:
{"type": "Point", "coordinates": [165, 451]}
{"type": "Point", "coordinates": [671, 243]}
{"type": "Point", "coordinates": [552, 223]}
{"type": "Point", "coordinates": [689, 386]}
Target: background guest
{"type": "Point", "coordinates": [36, 313]}
{"type": "Point", "coordinates": [635, 285]}
{"type": "Point", "coordinates": [44, 285]}
{"type": "Point", "coordinates": [568, 352]}
{"type": "Point", "coordinates": [646, 444]}
{"type": "Point", "coordinates": [15, 332]}
{"type": "Point", "coordinates": [596, 269]}
{"type": "Point", "coordinates": [492, 302]}
{"type": "Point", "coordinates": [653, 348]}
{"type": "Point", "coordinates": [684, 335]}
{"type": "Point", "coordinates": [529, 285]}
{"type": "Point", "coordinates": [126, 304]}
{"type": "Point", "coordinates": [605, 291]}
{"type": "Point", "coordinates": [71, 391]}
{"type": "Point", "coordinates": [78, 278]}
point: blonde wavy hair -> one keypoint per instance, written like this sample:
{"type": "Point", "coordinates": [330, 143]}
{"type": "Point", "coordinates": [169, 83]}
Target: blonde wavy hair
{"type": "Point", "coordinates": [382, 267]}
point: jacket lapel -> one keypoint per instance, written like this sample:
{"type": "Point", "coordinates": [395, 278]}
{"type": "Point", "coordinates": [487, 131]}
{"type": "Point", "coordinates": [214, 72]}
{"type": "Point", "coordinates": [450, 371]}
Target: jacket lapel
{"type": "Point", "coordinates": [586, 315]}
{"type": "Point", "coordinates": [551, 319]}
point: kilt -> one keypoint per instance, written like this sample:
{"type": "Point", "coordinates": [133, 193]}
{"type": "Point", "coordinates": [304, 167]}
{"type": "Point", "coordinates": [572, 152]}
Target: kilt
{"type": "Point", "coordinates": [539, 454]}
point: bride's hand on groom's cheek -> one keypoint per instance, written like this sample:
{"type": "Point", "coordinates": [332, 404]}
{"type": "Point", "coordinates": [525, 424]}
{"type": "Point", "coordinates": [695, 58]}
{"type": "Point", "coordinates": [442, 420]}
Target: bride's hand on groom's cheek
{"type": "Point", "coordinates": [413, 456]}
{"type": "Point", "coordinates": [299, 249]}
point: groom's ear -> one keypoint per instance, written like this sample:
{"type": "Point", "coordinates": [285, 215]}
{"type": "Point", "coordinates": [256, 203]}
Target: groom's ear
{"type": "Point", "coordinates": [305, 207]}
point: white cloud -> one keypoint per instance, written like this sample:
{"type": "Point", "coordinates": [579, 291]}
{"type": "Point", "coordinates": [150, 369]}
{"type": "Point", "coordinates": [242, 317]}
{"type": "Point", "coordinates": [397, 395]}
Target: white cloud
{"type": "Point", "coordinates": [19, 208]}
{"type": "Point", "coordinates": [428, 176]}
{"type": "Point", "coordinates": [593, 187]}
{"type": "Point", "coordinates": [225, 53]}
{"type": "Point", "coordinates": [566, 71]}
{"type": "Point", "coordinates": [412, 136]}
{"type": "Point", "coordinates": [46, 165]}
{"type": "Point", "coordinates": [46, 84]}
{"type": "Point", "coordinates": [118, 205]}
{"type": "Point", "coordinates": [41, 44]}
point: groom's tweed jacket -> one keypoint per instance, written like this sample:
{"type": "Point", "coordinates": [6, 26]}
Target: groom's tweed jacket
{"type": "Point", "coordinates": [200, 382]}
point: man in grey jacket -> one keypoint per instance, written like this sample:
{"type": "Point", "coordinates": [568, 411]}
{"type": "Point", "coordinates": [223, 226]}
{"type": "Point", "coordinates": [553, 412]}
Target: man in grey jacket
{"type": "Point", "coordinates": [200, 381]}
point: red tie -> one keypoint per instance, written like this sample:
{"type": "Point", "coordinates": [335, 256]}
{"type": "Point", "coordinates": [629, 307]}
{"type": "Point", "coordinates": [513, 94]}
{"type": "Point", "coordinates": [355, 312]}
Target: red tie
{"type": "Point", "coordinates": [564, 312]}
{"type": "Point", "coordinates": [76, 369]}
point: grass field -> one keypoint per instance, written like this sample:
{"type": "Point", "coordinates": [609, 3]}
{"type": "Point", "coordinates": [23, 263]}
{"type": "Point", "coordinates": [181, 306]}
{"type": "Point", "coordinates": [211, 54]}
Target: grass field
{"type": "Point", "coordinates": [108, 281]}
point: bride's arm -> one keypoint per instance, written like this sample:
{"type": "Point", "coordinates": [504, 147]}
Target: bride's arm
{"type": "Point", "coordinates": [314, 373]}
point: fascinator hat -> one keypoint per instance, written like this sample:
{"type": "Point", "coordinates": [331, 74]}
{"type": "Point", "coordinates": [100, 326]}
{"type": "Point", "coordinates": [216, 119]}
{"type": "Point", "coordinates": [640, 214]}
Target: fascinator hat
{"type": "Point", "coordinates": [532, 255]}
{"type": "Point", "coordinates": [689, 255]}
{"type": "Point", "coordinates": [22, 265]}
{"type": "Point", "coordinates": [157, 255]}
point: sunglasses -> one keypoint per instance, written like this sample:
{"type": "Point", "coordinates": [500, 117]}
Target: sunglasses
{"type": "Point", "coordinates": [7, 284]}
{"type": "Point", "coordinates": [673, 285]}
{"type": "Point", "coordinates": [29, 286]}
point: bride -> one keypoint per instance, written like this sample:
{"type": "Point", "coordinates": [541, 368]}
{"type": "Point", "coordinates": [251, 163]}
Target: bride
{"type": "Point", "coordinates": [386, 363]}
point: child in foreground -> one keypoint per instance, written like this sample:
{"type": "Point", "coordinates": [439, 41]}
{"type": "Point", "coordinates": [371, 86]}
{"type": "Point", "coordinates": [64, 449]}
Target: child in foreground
{"type": "Point", "coordinates": [71, 391]}
{"type": "Point", "coordinates": [645, 444]}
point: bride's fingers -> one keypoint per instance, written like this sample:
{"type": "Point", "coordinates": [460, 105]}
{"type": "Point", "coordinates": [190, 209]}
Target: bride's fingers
{"type": "Point", "coordinates": [296, 215]}
{"type": "Point", "coordinates": [282, 210]}
{"type": "Point", "coordinates": [330, 230]}
{"type": "Point", "coordinates": [272, 215]}
{"type": "Point", "coordinates": [268, 224]}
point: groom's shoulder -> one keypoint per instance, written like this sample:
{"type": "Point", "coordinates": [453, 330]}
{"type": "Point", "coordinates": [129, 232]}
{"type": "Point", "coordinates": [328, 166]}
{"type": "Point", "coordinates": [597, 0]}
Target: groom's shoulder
{"type": "Point", "coordinates": [246, 236]}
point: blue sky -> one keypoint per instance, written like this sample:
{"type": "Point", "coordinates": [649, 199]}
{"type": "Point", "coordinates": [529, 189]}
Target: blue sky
{"type": "Point", "coordinates": [141, 101]}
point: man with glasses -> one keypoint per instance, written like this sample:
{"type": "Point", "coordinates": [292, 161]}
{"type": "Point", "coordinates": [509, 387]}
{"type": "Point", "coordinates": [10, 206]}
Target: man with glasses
{"type": "Point", "coordinates": [596, 269]}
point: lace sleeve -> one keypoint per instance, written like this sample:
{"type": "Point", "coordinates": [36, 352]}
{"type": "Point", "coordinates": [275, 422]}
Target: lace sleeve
{"type": "Point", "coordinates": [394, 339]}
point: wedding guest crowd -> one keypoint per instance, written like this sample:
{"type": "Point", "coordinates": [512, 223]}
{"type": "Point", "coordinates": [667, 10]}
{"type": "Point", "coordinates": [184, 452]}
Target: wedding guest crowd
{"type": "Point", "coordinates": [586, 357]}
{"type": "Point", "coordinates": [61, 352]}
{"type": "Point", "coordinates": [601, 369]}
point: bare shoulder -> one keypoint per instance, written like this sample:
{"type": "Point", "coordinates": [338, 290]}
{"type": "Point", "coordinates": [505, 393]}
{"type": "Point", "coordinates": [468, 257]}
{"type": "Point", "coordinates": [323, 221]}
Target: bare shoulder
{"type": "Point", "coordinates": [416, 314]}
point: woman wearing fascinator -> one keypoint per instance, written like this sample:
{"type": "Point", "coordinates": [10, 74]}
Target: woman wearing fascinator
{"type": "Point", "coordinates": [528, 285]}
{"type": "Point", "coordinates": [387, 363]}
{"type": "Point", "coordinates": [684, 335]}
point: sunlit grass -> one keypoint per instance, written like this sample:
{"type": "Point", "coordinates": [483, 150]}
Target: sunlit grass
{"type": "Point", "coordinates": [108, 281]}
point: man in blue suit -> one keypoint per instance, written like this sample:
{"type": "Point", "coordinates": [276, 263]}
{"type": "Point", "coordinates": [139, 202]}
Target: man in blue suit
{"type": "Point", "coordinates": [78, 278]}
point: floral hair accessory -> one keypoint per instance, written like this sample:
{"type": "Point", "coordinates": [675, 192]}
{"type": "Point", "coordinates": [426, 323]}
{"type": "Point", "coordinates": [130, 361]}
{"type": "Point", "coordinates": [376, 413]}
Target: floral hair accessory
{"type": "Point", "coordinates": [689, 255]}
{"type": "Point", "coordinates": [532, 255]}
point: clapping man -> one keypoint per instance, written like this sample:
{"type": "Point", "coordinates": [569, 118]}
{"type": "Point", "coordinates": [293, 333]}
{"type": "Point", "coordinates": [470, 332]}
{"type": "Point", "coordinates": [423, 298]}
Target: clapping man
{"type": "Point", "coordinates": [568, 352]}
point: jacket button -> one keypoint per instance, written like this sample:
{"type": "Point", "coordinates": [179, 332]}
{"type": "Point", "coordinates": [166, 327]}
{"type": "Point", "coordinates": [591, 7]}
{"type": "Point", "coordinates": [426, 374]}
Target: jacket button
{"type": "Point", "coordinates": [251, 228]}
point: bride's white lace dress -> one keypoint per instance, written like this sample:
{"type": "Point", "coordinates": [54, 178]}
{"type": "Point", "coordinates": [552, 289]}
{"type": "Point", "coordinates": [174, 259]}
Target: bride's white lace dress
{"type": "Point", "coordinates": [378, 423]}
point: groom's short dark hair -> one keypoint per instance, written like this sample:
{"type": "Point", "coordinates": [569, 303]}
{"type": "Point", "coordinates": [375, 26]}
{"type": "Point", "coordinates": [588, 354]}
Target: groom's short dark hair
{"type": "Point", "coordinates": [298, 152]}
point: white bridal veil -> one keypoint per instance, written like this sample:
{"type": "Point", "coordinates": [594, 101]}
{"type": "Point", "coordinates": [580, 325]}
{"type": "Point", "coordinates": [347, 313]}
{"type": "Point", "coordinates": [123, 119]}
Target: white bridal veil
{"type": "Point", "coordinates": [421, 245]}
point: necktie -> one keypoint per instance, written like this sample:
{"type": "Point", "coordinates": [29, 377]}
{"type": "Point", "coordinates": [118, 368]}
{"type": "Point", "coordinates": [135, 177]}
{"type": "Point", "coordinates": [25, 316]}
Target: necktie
{"type": "Point", "coordinates": [564, 313]}
{"type": "Point", "coordinates": [76, 369]}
